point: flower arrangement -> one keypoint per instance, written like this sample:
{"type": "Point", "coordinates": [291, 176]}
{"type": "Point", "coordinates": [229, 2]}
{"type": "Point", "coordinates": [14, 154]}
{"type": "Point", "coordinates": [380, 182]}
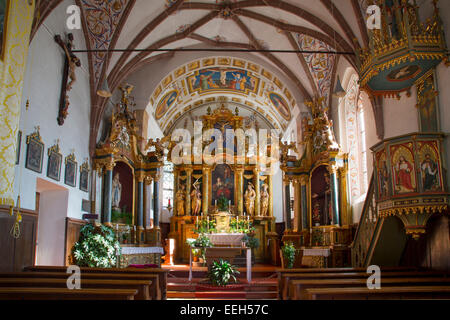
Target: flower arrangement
{"type": "Point", "coordinates": [241, 226]}
{"type": "Point", "coordinates": [97, 247]}
{"type": "Point", "coordinates": [200, 243]}
{"type": "Point", "coordinates": [288, 251]}
{"type": "Point", "coordinates": [205, 226]}
{"type": "Point", "coordinates": [222, 272]}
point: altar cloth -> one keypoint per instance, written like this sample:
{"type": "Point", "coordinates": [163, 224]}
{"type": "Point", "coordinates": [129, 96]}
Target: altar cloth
{"type": "Point", "coordinates": [142, 250]}
{"type": "Point", "coordinates": [231, 239]}
{"type": "Point", "coordinates": [316, 252]}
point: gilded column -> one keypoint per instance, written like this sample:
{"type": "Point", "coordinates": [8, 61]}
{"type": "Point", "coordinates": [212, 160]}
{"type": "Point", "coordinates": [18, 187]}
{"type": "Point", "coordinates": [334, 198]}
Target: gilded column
{"type": "Point", "coordinates": [12, 68]}
{"type": "Point", "coordinates": [188, 191]}
{"type": "Point", "coordinates": [205, 187]}
{"type": "Point", "coordinates": [147, 203]}
{"type": "Point", "coordinates": [107, 194]}
{"type": "Point", "coordinates": [297, 205]}
{"type": "Point", "coordinates": [304, 201]}
{"type": "Point", "coordinates": [346, 218]}
{"type": "Point", "coordinates": [257, 191]}
{"type": "Point", "coordinates": [334, 193]}
{"type": "Point", "coordinates": [240, 190]}
{"type": "Point", "coordinates": [270, 183]}
{"type": "Point", "coordinates": [176, 174]}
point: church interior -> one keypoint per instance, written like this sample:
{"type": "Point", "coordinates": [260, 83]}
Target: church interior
{"type": "Point", "coordinates": [224, 149]}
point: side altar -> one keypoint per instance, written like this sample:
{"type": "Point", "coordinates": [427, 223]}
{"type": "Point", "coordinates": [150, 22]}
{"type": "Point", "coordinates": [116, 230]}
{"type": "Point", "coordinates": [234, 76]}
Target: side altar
{"type": "Point", "coordinates": [225, 179]}
{"type": "Point", "coordinates": [322, 215]}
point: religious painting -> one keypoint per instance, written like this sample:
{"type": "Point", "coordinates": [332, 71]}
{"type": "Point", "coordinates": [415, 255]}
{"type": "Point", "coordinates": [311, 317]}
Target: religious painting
{"type": "Point", "coordinates": [404, 73]}
{"type": "Point", "coordinates": [280, 104]}
{"type": "Point", "coordinates": [19, 146]}
{"type": "Point", "coordinates": [217, 78]}
{"type": "Point", "coordinates": [404, 177]}
{"type": "Point", "coordinates": [35, 153]}
{"type": "Point", "coordinates": [165, 103]}
{"type": "Point", "coordinates": [383, 174]}
{"type": "Point", "coordinates": [322, 210]}
{"type": "Point", "coordinates": [4, 9]}
{"type": "Point", "coordinates": [429, 167]}
{"type": "Point", "coordinates": [427, 105]}
{"type": "Point", "coordinates": [84, 177]}
{"type": "Point", "coordinates": [70, 175]}
{"type": "Point", "coordinates": [223, 183]}
{"type": "Point", "coordinates": [54, 163]}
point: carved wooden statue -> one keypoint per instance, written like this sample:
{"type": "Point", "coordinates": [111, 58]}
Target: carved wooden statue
{"type": "Point", "coordinates": [249, 197]}
{"type": "Point", "coordinates": [264, 199]}
{"type": "Point", "coordinates": [196, 200]}
{"type": "Point", "coordinates": [180, 196]}
{"type": "Point", "coordinates": [71, 62]}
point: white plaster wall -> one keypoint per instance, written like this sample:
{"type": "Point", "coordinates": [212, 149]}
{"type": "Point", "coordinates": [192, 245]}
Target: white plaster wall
{"type": "Point", "coordinates": [42, 87]}
{"type": "Point", "coordinates": [400, 116]}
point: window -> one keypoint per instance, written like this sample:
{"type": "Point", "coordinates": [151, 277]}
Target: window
{"type": "Point", "coordinates": [168, 183]}
{"type": "Point", "coordinates": [362, 147]}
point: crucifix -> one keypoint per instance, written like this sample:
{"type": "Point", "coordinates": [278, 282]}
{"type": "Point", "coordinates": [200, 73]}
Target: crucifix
{"type": "Point", "coordinates": [69, 77]}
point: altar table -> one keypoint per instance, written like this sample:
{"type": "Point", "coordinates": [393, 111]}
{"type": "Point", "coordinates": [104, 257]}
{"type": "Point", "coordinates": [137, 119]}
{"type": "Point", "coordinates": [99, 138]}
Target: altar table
{"type": "Point", "coordinates": [316, 257]}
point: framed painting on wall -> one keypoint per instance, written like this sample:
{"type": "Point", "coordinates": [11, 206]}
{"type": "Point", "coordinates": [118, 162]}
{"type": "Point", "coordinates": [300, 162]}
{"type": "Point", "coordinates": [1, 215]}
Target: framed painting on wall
{"type": "Point", "coordinates": [70, 174]}
{"type": "Point", "coordinates": [54, 163]}
{"type": "Point", "coordinates": [84, 177]}
{"type": "Point", "coordinates": [4, 10]}
{"type": "Point", "coordinates": [35, 152]}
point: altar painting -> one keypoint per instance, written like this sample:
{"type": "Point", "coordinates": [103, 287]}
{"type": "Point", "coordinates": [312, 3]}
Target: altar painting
{"type": "Point", "coordinates": [322, 212]}
{"type": "Point", "coordinates": [429, 166]}
{"type": "Point", "coordinates": [222, 183]}
{"type": "Point", "coordinates": [404, 178]}
{"type": "Point", "coordinates": [212, 79]}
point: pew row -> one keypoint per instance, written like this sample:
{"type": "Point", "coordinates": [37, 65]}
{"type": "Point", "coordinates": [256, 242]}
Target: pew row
{"type": "Point", "coordinates": [13, 293]}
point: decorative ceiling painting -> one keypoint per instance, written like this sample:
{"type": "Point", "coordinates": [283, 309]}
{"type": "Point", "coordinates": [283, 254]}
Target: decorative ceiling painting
{"type": "Point", "coordinates": [320, 65]}
{"type": "Point", "coordinates": [102, 19]}
{"type": "Point", "coordinates": [197, 82]}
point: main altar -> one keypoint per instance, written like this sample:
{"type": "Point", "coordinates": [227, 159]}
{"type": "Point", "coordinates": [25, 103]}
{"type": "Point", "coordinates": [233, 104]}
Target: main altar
{"type": "Point", "coordinates": [222, 190]}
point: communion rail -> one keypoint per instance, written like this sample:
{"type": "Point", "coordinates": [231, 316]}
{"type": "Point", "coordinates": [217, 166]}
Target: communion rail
{"type": "Point", "coordinates": [362, 243]}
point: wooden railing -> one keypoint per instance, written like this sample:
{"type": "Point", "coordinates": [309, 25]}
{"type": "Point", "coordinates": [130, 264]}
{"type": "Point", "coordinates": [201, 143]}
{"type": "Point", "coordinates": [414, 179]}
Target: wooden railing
{"type": "Point", "coordinates": [362, 242]}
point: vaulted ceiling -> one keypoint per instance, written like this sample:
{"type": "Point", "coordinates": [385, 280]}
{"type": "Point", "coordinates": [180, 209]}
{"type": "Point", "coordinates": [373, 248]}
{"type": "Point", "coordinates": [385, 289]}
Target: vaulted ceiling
{"type": "Point", "coordinates": [316, 25]}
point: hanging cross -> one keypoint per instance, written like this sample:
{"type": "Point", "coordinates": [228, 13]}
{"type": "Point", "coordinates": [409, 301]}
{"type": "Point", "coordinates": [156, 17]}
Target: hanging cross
{"type": "Point", "coordinates": [69, 77]}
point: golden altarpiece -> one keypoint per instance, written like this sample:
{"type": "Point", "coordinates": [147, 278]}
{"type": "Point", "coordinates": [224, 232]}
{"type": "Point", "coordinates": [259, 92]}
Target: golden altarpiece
{"type": "Point", "coordinates": [127, 172]}
{"type": "Point", "coordinates": [322, 216]}
{"type": "Point", "coordinates": [228, 174]}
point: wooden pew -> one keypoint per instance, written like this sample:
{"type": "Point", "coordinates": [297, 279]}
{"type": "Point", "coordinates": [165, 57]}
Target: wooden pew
{"type": "Point", "coordinates": [162, 273]}
{"type": "Point", "coordinates": [281, 272]}
{"type": "Point", "coordinates": [65, 294]}
{"type": "Point", "coordinates": [297, 288]}
{"type": "Point", "coordinates": [153, 288]}
{"type": "Point", "coordinates": [407, 292]}
{"type": "Point", "coordinates": [286, 277]}
{"type": "Point", "coordinates": [142, 286]}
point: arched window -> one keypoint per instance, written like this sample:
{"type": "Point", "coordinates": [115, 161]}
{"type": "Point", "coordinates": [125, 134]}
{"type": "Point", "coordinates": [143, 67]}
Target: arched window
{"type": "Point", "coordinates": [355, 132]}
{"type": "Point", "coordinates": [168, 183]}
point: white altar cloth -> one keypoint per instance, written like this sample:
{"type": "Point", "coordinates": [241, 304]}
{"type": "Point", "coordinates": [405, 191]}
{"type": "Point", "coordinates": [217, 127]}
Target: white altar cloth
{"type": "Point", "coordinates": [142, 250]}
{"type": "Point", "coordinates": [231, 239]}
{"type": "Point", "coordinates": [316, 252]}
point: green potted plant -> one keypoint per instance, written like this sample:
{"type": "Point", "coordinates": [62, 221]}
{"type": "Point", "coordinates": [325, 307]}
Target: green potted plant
{"type": "Point", "coordinates": [221, 272]}
{"type": "Point", "coordinates": [201, 243]}
{"type": "Point", "coordinates": [222, 204]}
{"type": "Point", "coordinates": [288, 254]}
{"type": "Point", "coordinates": [97, 247]}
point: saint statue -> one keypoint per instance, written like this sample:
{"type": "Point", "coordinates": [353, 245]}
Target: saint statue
{"type": "Point", "coordinates": [180, 196]}
{"type": "Point", "coordinates": [196, 200]}
{"type": "Point", "coordinates": [403, 180]}
{"type": "Point", "coordinates": [264, 200]}
{"type": "Point", "coordinates": [249, 197]}
{"type": "Point", "coordinates": [116, 192]}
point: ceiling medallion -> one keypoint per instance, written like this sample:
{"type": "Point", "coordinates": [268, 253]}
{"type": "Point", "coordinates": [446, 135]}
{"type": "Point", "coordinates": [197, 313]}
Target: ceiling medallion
{"type": "Point", "coordinates": [226, 13]}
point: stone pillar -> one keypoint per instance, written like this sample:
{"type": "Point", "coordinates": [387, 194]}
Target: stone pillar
{"type": "Point", "coordinates": [297, 206]}
{"type": "Point", "coordinates": [156, 200]}
{"type": "Point", "coordinates": [287, 203]}
{"type": "Point", "coordinates": [257, 191]}
{"type": "Point", "coordinates": [334, 193]}
{"type": "Point", "coordinates": [107, 194]}
{"type": "Point", "coordinates": [147, 202]}
{"type": "Point", "coordinates": [16, 43]}
{"type": "Point", "coordinates": [187, 203]}
{"type": "Point", "coordinates": [205, 187]}
{"type": "Point", "coordinates": [304, 201]}
{"type": "Point", "coordinates": [240, 190]}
